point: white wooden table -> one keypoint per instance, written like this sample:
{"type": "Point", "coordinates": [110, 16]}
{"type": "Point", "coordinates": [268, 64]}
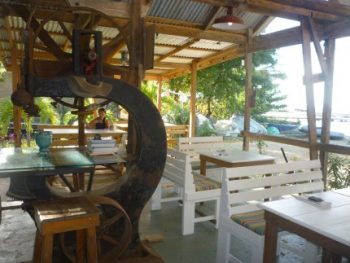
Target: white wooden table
{"type": "Point", "coordinates": [231, 158]}
{"type": "Point", "coordinates": [327, 227]}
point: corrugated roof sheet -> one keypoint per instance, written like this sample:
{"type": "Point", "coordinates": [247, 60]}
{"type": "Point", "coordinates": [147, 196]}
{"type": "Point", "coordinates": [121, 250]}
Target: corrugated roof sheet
{"type": "Point", "coordinates": [190, 53]}
{"type": "Point", "coordinates": [210, 44]}
{"type": "Point", "coordinates": [162, 50]}
{"type": "Point", "coordinates": [185, 10]}
{"type": "Point", "coordinates": [177, 60]}
{"type": "Point", "coordinates": [171, 40]}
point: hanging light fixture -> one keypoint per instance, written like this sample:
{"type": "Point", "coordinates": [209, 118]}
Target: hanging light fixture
{"type": "Point", "coordinates": [229, 21]}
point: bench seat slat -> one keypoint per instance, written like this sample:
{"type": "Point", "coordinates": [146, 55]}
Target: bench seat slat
{"type": "Point", "coordinates": [272, 168]}
{"type": "Point", "coordinates": [274, 192]}
{"type": "Point", "coordinates": [273, 180]}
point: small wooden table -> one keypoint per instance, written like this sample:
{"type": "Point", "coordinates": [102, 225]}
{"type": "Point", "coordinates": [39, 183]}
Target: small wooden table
{"type": "Point", "coordinates": [327, 227]}
{"type": "Point", "coordinates": [232, 158]}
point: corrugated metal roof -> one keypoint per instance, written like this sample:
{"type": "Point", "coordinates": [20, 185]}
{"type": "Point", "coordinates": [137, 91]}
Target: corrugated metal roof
{"type": "Point", "coordinates": [177, 60]}
{"type": "Point", "coordinates": [108, 32]}
{"type": "Point", "coordinates": [168, 12]}
{"type": "Point", "coordinates": [190, 53]}
{"type": "Point", "coordinates": [171, 40]}
{"type": "Point", "coordinates": [156, 71]}
{"type": "Point", "coordinates": [210, 44]}
{"type": "Point", "coordinates": [162, 50]}
{"type": "Point", "coordinates": [185, 10]}
{"type": "Point", "coordinates": [16, 22]}
{"type": "Point", "coordinates": [53, 26]}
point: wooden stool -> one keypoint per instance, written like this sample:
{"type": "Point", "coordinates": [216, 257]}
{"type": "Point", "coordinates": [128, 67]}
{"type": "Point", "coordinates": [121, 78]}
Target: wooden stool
{"type": "Point", "coordinates": [62, 215]}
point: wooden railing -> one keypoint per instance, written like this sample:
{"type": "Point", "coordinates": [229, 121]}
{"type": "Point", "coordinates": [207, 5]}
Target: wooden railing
{"type": "Point", "coordinates": [70, 138]}
{"type": "Point", "coordinates": [173, 131]}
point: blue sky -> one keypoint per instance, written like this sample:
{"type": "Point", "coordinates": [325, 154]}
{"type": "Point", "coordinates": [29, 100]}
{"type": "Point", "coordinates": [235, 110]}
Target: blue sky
{"type": "Point", "coordinates": [290, 61]}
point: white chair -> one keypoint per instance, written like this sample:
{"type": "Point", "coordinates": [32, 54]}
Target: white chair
{"type": "Point", "coordinates": [241, 218]}
{"type": "Point", "coordinates": [190, 189]}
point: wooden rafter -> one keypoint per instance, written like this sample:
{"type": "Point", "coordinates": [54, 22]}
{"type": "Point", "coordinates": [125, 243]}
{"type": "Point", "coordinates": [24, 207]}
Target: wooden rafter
{"type": "Point", "coordinates": [208, 24]}
{"type": "Point", "coordinates": [211, 18]}
{"type": "Point", "coordinates": [288, 8]}
{"type": "Point", "coordinates": [43, 35]}
{"type": "Point", "coordinates": [176, 50]}
{"type": "Point", "coordinates": [288, 37]}
{"type": "Point", "coordinates": [311, 115]}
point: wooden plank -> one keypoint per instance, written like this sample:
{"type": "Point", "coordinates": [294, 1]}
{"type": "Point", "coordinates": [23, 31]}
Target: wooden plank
{"type": "Point", "coordinates": [193, 100]}
{"type": "Point", "coordinates": [16, 110]}
{"type": "Point", "coordinates": [241, 172]}
{"type": "Point", "coordinates": [287, 9]}
{"type": "Point", "coordinates": [279, 139]}
{"type": "Point", "coordinates": [177, 49]}
{"type": "Point", "coordinates": [334, 148]}
{"type": "Point", "coordinates": [148, 47]}
{"type": "Point", "coordinates": [248, 64]}
{"type": "Point", "coordinates": [275, 180]}
{"type": "Point", "coordinates": [159, 94]}
{"type": "Point", "coordinates": [115, 8]}
{"type": "Point", "coordinates": [200, 33]}
{"type": "Point", "coordinates": [310, 100]}
{"type": "Point", "coordinates": [327, 105]}
{"type": "Point", "coordinates": [330, 7]}
{"type": "Point", "coordinates": [136, 70]}
{"type": "Point", "coordinates": [43, 35]}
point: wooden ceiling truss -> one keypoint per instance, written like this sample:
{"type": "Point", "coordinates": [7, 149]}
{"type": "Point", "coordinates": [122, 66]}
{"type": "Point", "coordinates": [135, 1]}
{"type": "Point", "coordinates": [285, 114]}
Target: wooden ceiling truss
{"type": "Point", "coordinates": [320, 21]}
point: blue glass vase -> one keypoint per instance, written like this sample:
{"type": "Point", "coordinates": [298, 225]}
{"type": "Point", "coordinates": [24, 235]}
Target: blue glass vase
{"type": "Point", "coordinates": [43, 139]}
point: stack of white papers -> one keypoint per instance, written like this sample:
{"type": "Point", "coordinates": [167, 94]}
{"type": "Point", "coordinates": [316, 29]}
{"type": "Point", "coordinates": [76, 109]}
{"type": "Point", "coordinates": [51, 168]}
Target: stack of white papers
{"type": "Point", "coordinates": [102, 147]}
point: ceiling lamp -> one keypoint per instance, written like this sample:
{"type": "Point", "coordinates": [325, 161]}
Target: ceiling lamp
{"type": "Point", "coordinates": [229, 21]}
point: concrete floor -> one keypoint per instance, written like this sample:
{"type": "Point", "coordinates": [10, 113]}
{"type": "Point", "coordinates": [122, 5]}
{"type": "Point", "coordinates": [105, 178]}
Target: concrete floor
{"type": "Point", "coordinates": [17, 232]}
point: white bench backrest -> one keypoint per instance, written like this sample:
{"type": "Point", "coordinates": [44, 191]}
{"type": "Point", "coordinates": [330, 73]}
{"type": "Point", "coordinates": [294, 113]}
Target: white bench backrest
{"type": "Point", "coordinates": [178, 169]}
{"type": "Point", "coordinates": [191, 145]}
{"type": "Point", "coordinates": [244, 187]}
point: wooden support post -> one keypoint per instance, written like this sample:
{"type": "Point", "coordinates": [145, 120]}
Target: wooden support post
{"type": "Point", "coordinates": [136, 72]}
{"type": "Point", "coordinates": [248, 63]}
{"type": "Point", "coordinates": [159, 93]}
{"type": "Point", "coordinates": [81, 124]}
{"type": "Point", "coordinates": [328, 69]}
{"type": "Point", "coordinates": [192, 130]}
{"type": "Point", "coordinates": [17, 125]}
{"type": "Point", "coordinates": [327, 105]}
{"type": "Point", "coordinates": [310, 103]}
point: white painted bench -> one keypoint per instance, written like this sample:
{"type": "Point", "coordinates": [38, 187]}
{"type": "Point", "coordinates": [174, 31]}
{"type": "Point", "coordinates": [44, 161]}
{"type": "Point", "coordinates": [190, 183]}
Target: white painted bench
{"type": "Point", "coordinates": [193, 189]}
{"type": "Point", "coordinates": [243, 188]}
{"type": "Point", "coordinates": [191, 145]}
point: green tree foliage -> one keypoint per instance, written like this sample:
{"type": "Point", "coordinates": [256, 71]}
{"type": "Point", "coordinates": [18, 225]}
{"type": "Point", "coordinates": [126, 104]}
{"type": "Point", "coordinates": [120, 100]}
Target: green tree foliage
{"type": "Point", "coordinates": [47, 114]}
{"type": "Point", "coordinates": [172, 108]}
{"type": "Point", "coordinates": [220, 90]}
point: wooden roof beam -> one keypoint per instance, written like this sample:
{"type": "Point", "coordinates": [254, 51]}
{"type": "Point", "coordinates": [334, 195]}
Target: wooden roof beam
{"type": "Point", "coordinates": [171, 27]}
{"type": "Point", "coordinates": [43, 35]}
{"type": "Point", "coordinates": [278, 39]}
{"type": "Point", "coordinates": [113, 8]}
{"type": "Point", "coordinates": [200, 33]}
{"type": "Point", "coordinates": [173, 52]}
{"type": "Point", "coordinates": [285, 9]}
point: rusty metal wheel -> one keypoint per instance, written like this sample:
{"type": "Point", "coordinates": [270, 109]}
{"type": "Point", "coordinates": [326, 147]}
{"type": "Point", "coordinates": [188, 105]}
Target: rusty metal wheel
{"type": "Point", "coordinates": [59, 60]}
{"type": "Point", "coordinates": [115, 222]}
